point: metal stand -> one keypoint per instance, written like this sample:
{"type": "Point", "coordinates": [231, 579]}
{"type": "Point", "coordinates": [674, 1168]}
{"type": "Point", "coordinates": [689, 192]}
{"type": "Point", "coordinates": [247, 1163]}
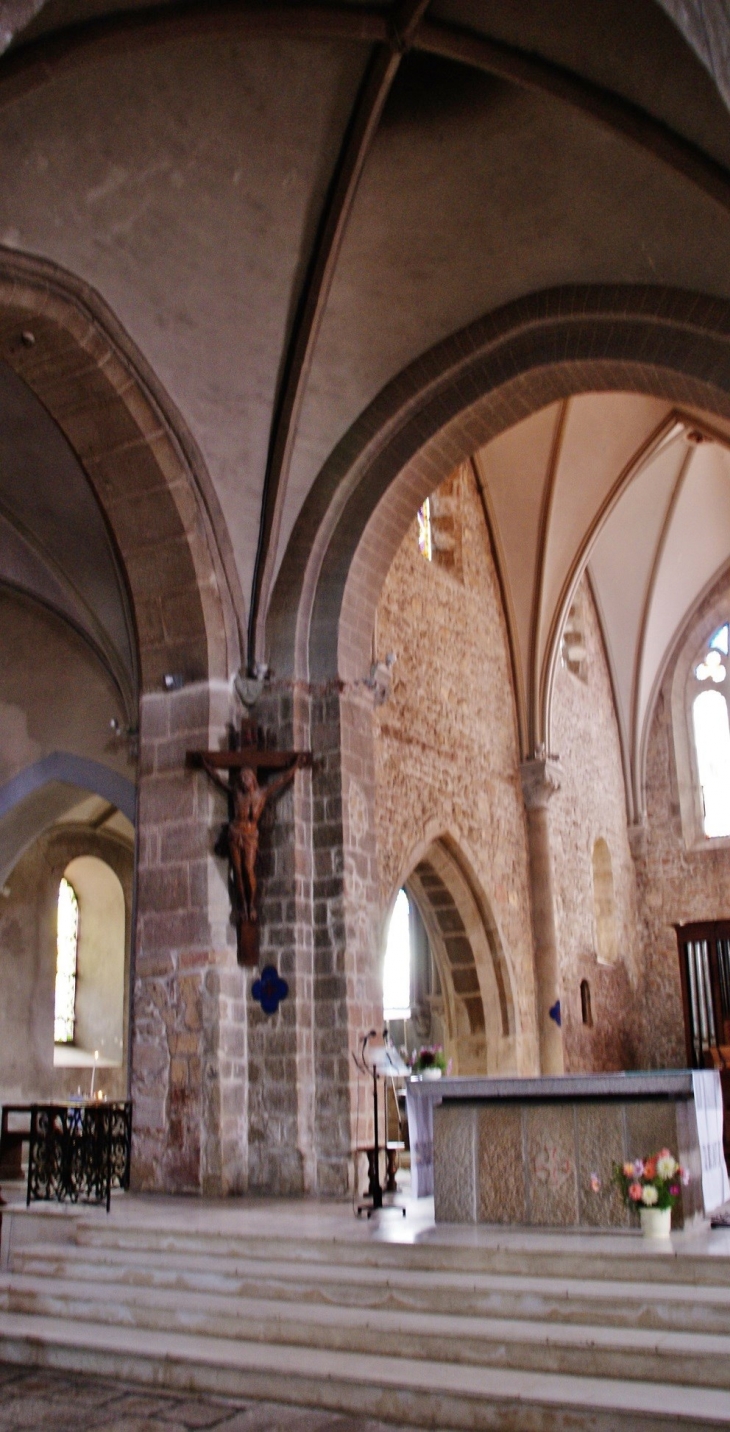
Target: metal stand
{"type": "Point", "coordinates": [375, 1188]}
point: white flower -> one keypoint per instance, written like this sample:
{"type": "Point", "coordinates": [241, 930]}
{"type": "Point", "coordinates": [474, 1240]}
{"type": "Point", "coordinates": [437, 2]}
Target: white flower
{"type": "Point", "coordinates": [649, 1195]}
{"type": "Point", "coordinates": [666, 1167]}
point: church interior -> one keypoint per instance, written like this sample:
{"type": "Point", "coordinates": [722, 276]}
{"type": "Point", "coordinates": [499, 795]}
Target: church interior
{"type": "Point", "coordinates": [365, 652]}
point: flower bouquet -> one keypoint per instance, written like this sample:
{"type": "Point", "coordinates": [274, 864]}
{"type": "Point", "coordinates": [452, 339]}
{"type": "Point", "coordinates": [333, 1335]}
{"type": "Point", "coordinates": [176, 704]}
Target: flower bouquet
{"type": "Point", "coordinates": [653, 1186]}
{"type": "Point", "coordinates": [429, 1061]}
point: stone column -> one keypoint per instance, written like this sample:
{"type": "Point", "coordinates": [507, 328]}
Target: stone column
{"type": "Point", "coordinates": [189, 1030]}
{"type": "Point", "coordinates": [281, 1045]}
{"type": "Point", "coordinates": [540, 779]}
{"type": "Point", "coordinates": [318, 900]}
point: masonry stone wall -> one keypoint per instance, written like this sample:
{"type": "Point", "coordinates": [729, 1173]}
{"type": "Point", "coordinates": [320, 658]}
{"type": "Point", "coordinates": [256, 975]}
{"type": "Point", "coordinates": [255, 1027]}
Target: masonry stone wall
{"type": "Point", "coordinates": [676, 885]}
{"type": "Point", "coordinates": [189, 1047]}
{"type": "Point", "coordinates": [446, 744]}
{"type": "Point", "coordinates": [315, 865]}
{"type": "Point", "coordinates": [591, 806]}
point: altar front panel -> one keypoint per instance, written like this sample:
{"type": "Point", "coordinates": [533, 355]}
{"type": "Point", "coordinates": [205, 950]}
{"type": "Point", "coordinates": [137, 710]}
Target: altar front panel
{"type": "Point", "coordinates": [534, 1159]}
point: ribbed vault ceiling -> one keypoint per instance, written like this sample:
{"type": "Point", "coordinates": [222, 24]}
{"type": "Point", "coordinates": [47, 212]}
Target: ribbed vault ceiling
{"type": "Point", "coordinates": [286, 204]}
{"type": "Point", "coordinates": [637, 494]}
{"type": "Point", "coordinates": [54, 545]}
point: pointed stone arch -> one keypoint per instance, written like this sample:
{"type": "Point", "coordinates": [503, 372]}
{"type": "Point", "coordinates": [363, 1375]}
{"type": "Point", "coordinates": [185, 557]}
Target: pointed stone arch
{"type": "Point", "coordinates": [150, 481]}
{"type": "Point", "coordinates": [476, 984]}
{"type": "Point", "coordinates": [457, 397]}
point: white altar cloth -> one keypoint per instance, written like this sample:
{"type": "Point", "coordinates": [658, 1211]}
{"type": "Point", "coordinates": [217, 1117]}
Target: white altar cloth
{"type": "Point", "coordinates": [420, 1138]}
{"type": "Point", "coordinates": [709, 1111]}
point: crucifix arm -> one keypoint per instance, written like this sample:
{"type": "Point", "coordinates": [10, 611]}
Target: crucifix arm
{"type": "Point", "coordinates": [215, 778]}
{"type": "Point", "coordinates": [279, 782]}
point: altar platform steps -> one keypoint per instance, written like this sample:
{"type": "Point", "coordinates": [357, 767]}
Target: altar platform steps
{"type": "Point", "coordinates": [129, 1274]}
{"type": "Point", "coordinates": [544, 1254]}
{"type": "Point", "coordinates": [432, 1334]}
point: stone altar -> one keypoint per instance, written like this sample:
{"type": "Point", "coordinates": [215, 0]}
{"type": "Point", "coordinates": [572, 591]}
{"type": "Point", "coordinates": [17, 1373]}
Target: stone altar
{"type": "Point", "coordinates": [524, 1151]}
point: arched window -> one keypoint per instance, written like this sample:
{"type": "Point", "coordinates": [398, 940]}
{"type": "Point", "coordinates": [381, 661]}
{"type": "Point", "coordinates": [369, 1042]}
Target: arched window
{"type": "Point", "coordinates": [585, 1004]}
{"type": "Point", "coordinates": [67, 946]}
{"type": "Point", "coordinates": [711, 731]}
{"type": "Point", "coordinates": [425, 538]}
{"type": "Point", "coordinates": [604, 903]}
{"type": "Point", "coordinates": [90, 977]}
{"type": "Point", "coordinates": [397, 965]}
{"type": "Point", "coordinates": [712, 743]}
{"type": "Point", "coordinates": [573, 651]}
{"type": "Point", "coordinates": [440, 522]}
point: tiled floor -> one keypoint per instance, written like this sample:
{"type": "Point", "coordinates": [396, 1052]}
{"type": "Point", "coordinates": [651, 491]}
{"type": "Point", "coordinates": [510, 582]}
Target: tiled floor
{"type": "Point", "coordinates": [32, 1401]}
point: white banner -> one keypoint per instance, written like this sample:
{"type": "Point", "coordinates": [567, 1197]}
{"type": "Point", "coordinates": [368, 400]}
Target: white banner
{"type": "Point", "coordinates": [710, 1115]}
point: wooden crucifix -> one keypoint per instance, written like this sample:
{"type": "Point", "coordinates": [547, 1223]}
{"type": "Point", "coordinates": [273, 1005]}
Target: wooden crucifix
{"type": "Point", "coordinates": [247, 800]}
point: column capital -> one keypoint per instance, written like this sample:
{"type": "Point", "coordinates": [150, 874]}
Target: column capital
{"type": "Point", "coordinates": [541, 777]}
{"type": "Point", "coordinates": [637, 833]}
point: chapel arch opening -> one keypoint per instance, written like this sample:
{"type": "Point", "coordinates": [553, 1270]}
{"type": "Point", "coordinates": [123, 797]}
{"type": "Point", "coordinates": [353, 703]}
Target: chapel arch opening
{"type": "Point", "coordinates": [458, 991]}
{"type": "Point", "coordinates": [90, 986]}
{"type": "Point", "coordinates": [65, 955]}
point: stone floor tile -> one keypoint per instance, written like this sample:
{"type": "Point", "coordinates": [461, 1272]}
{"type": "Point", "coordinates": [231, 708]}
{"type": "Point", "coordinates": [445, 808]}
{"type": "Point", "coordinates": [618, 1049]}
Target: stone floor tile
{"type": "Point", "coordinates": [10, 1373]}
{"type": "Point", "coordinates": [41, 1400]}
{"type": "Point", "coordinates": [254, 1417]}
{"type": "Point", "coordinates": [122, 1423]}
{"type": "Point", "coordinates": [197, 1412]}
{"type": "Point", "coordinates": [277, 1417]}
{"type": "Point", "coordinates": [137, 1403]}
{"type": "Point", "coordinates": [35, 1413]}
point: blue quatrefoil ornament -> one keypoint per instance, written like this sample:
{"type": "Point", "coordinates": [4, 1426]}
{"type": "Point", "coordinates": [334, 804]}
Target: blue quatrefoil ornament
{"type": "Point", "coordinates": [270, 989]}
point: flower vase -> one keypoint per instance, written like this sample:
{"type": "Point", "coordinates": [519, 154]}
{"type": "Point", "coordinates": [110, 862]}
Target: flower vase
{"type": "Point", "coordinates": [656, 1222]}
{"type": "Point", "coordinates": [431, 1073]}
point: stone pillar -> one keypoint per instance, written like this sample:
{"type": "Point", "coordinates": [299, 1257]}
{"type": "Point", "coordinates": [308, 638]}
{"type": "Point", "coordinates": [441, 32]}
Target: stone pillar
{"type": "Point", "coordinates": [540, 779]}
{"type": "Point", "coordinates": [226, 1096]}
{"type": "Point", "coordinates": [189, 1030]}
{"type": "Point", "coordinates": [281, 1045]}
{"type": "Point", "coordinates": [318, 926]}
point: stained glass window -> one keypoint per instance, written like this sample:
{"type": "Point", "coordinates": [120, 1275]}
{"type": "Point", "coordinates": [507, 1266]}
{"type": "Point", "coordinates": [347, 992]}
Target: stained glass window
{"type": "Point", "coordinates": [67, 944]}
{"type": "Point", "coordinates": [712, 668]}
{"type": "Point", "coordinates": [425, 532]}
{"type": "Point", "coordinates": [397, 967]}
{"type": "Point", "coordinates": [719, 642]}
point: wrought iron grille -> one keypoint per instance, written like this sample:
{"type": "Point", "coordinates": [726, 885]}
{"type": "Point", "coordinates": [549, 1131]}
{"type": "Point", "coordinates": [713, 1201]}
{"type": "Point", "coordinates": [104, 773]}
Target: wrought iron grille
{"type": "Point", "coordinates": [79, 1152]}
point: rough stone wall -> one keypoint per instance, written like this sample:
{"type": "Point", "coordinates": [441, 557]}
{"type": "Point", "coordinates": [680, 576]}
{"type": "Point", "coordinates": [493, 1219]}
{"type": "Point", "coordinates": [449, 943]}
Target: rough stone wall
{"type": "Point", "coordinates": [280, 1046]}
{"type": "Point", "coordinates": [301, 1126]}
{"type": "Point", "coordinates": [28, 966]}
{"type": "Point", "coordinates": [446, 746]}
{"type": "Point", "coordinates": [676, 885]}
{"type": "Point", "coordinates": [591, 804]}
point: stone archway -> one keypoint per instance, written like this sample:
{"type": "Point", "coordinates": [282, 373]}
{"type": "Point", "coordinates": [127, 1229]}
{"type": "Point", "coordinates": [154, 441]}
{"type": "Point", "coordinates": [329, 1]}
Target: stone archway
{"type": "Point", "coordinates": [164, 526]}
{"type": "Point", "coordinates": [63, 342]}
{"type": "Point", "coordinates": [433, 416]}
{"type": "Point", "coordinates": [479, 1011]}
{"type": "Point", "coordinates": [453, 400]}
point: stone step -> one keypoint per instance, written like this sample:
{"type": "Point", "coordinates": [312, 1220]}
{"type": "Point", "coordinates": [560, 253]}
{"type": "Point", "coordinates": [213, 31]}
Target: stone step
{"type": "Point", "coordinates": [426, 1394]}
{"type": "Point", "coordinates": [558, 1300]}
{"type": "Point", "coordinates": [568, 1348]}
{"type": "Point", "coordinates": [593, 1256]}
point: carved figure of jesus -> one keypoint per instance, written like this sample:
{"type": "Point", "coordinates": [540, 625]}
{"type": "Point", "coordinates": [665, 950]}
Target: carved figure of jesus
{"type": "Point", "coordinates": [249, 802]}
